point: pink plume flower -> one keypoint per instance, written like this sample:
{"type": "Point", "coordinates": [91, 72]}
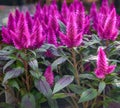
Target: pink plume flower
{"type": "Point", "coordinates": [51, 38]}
{"type": "Point", "coordinates": [71, 39]}
{"type": "Point", "coordinates": [6, 35]}
{"type": "Point", "coordinates": [17, 15]}
{"type": "Point", "coordinates": [29, 21]}
{"type": "Point", "coordinates": [103, 67]}
{"type": "Point", "coordinates": [36, 38]}
{"type": "Point", "coordinates": [107, 29]}
{"type": "Point", "coordinates": [94, 16]}
{"type": "Point", "coordinates": [64, 12]}
{"type": "Point", "coordinates": [21, 36]}
{"type": "Point", "coordinates": [49, 76]}
{"type": "Point", "coordinates": [80, 18]}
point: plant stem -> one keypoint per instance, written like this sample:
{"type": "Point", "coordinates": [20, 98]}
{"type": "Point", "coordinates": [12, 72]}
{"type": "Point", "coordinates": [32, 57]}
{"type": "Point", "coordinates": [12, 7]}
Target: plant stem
{"type": "Point", "coordinates": [76, 74]}
{"type": "Point", "coordinates": [73, 100]}
{"type": "Point", "coordinates": [26, 72]}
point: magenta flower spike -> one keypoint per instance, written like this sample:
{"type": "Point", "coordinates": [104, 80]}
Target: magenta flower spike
{"type": "Point", "coordinates": [80, 18]}
{"type": "Point", "coordinates": [6, 35]}
{"type": "Point", "coordinates": [105, 3]}
{"type": "Point", "coordinates": [103, 67]}
{"type": "Point", "coordinates": [17, 15]}
{"type": "Point", "coordinates": [64, 12]}
{"type": "Point", "coordinates": [71, 39]}
{"type": "Point", "coordinates": [108, 30]}
{"type": "Point", "coordinates": [94, 15]}
{"type": "Point", "coordinates": [36, 38]}
{"type": "Point", "coordinates": [53, 22]}
{"type": "Point", "coordinates": [21, 35]}
{"type": "Point", "coordinates": [29, 21]}
{"type": "Point", "coordinates": [49, 76]}
{"type": "Point", "coordinates": [51, 38]}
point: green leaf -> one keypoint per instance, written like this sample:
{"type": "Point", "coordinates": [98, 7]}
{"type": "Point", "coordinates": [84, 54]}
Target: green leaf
{"type": "Point", "coordinates": [58, 61]}
{"type": "Point", "coordinates": [34, 64]}
{"type": "Point", "coordinates": [13, 73]}
{"type": "Point", "coordinates": [63, 82]}
{"type": "Point", "coordinates": [8, 64]}
{"type": "Point", "coordinates": [88, 95]}
{"type": "Point", "coordinates": [43, 87]}
{"type": "Point", "coordinates": [5, 105]}
{"type": "Point", "coordinates": [28, 101]}
{"type": "Point", "coordinates": [101, 87]}
{"type": "Point", "coordinates": [62, 27]}
{"type": "Point", "coordinates": [87, 76]}
{"type": "Point", "coordinates": [36, 74]}
{"type": "Point", "coordinates": [61, 95]}
{"type": "Point", "coordinates": [14, 84]}
{"type": "Point", "coordinates": [76, 89]}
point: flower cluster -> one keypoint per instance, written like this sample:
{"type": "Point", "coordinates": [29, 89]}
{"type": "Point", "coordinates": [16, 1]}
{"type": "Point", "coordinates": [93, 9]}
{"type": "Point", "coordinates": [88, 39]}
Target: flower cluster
{"type": "Point", "coordinates": [30, 32]}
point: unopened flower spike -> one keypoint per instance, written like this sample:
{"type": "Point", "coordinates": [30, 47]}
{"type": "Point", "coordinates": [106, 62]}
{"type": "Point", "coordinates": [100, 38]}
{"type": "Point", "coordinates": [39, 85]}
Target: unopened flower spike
{"type": "Point", "coordinates": [49, 76]}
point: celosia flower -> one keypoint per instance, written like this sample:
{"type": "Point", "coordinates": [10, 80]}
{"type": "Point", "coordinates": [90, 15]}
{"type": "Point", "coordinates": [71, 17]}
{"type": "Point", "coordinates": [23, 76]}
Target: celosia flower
{"type": "Point", "coordinates": [51, 38]}
{"type": "Point", "coordinates": [21, 36]}
{"type": "Point", "coordinates": [49, 76]}
{"type": "Point", "coordinates": [53, 21]}
{"type": "Point", "coordinates": [64, 12]}
{"type": "Point", "coordinates": [80, 18]}
{"type": "Point", "coordinates": [107, 28]}
{"type": "Point", "coordinates": [94, 15]}
{"type": "Point", "coordinates": [71, 39]}
{"type": "Point", "coordinates": [6, 35]}
{"type": "Point", "coordinates": [36, 38]}
{"type": "Point", "coordinates": [17, 15]}
{"type": "Point", "coordinates": [29, 21]}
{"type": "Point", "coordinates": [103, 68]}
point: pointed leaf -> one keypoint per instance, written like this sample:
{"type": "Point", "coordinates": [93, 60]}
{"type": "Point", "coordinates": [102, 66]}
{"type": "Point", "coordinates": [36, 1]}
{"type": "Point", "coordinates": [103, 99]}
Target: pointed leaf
{"type": "Point", "coordinates": [43, 87]}
{"type": "Point", "coordinates": [28, 101]}
{"type": "Point", "coordinates": [13, 73]}
{"type": "Point", "coordinates": [34, 64]}
{"type": "Point", "coordinates": [58, 61]}
{"type": "Point", "coordinates": [88, 95]}
{"type": "Point", "coordinates": [62, 83]}
{"type": "Point", "coordinates": [101, 87]}
{"type": "Point", "coordinates": [62, 27]}
{"type": "Point", "coordinates": [61, 95]}
{"type": "Point", "coordinates": [8, 64]}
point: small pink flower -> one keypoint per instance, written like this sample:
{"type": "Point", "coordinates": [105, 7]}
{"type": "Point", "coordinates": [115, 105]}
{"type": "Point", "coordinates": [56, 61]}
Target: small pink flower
{"type": "Point", "coordinates": [103, 68]}
{"type": "Point", "coordinates": [49, 75]}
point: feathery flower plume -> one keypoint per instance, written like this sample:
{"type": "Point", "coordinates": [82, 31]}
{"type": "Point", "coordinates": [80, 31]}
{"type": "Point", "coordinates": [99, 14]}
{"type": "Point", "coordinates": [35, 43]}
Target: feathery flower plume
{"type": "Point", "coordinates": [49, 75]}
{"type": "Point", "coordinates": [108, 30]}
{"type": "Point", "coordinates": [71, 39]}
{"type": "Point", "coordinates": [17, 15]}
{"type": "Point", "coordinates": [103, 68]}
{"type": "Point", "coordinates": [80, 18]}
{"type": "Point", "coordinates": [94, 15]}
{"type": "Point", "coordinates": [6, 35]}
{"type": "Point", "coordinates": [21, 34]}
{"type": "Point", "coordinates": [29, 21]}
{"type": "Point", "coordinates": [64, 12]}
{"type": "Point", "coordinates": [36, 38]}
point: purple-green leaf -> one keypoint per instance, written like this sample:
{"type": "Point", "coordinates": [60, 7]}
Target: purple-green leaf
{"type": "Point", "coordinates": [28, 101]}
{"type": "Point", "coordinates": [63, 82]}
{"type": "Point", "coordinates": [43, 87]}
